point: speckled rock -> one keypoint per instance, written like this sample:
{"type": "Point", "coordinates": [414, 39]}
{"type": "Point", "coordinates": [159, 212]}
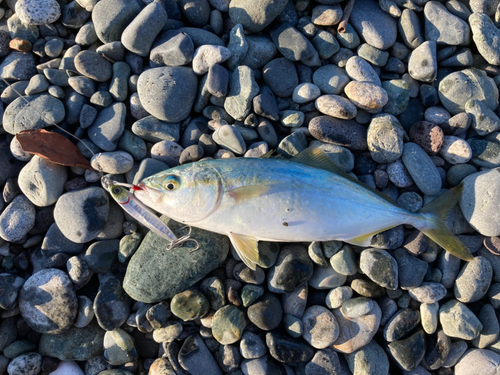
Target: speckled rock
{"type": "Point", "coordinates": [52, 289]}
{"type": "Point", "coordinates": [473, 280]}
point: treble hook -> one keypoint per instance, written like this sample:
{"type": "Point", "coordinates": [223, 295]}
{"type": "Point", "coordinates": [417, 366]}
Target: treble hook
{"type": "Point", "coordinates": [184, 239]}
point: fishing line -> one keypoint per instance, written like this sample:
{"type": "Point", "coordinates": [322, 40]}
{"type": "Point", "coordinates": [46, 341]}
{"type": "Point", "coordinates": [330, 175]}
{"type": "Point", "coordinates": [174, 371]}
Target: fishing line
{"type": "Point", "coordinates": [48, 121]}
{"type": "Point", "coordinates": [105, 180]}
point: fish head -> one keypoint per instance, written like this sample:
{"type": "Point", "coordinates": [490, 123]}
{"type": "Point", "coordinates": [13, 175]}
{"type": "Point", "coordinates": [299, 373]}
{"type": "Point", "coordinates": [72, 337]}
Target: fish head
{"type": "Point", "coordinates": [119, 193]}
{"type": "Point", "coordinates": [187, 193]}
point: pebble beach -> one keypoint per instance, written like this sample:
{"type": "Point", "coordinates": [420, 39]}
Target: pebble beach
{"type": "Point", "coordinates": [405, 100]}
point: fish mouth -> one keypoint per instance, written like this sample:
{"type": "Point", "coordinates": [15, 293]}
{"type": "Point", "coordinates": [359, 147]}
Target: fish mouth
{"type": "Point", "coordinates": [154, 195]}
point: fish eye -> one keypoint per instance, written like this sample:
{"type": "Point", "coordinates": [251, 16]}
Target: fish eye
{"type": "Point", "coordinates": [117, 190]}
{"type": "Point", "coordinates": [171, 183]}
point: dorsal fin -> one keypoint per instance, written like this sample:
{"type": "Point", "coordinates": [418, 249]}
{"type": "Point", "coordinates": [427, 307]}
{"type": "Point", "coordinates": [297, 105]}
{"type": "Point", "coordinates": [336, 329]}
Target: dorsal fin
{"type": "Point", "coordinates": [317, 158]}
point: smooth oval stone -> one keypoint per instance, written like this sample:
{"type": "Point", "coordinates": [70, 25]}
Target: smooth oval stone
{"type": "Point", "coordinates": [168, 93]}
{"type": "Point", "coordinates": [76, 344]}
{"type": "Point", "coordinates": [17, 219]}
{"type": "Point", "coordinates": [189, 305]}
{"type": "Point", "coordinates": [195, 357]}
{"type": "Point", "coordinates": [480, 195]}
{"type": "Point", "coordinates": [52, 289]}
{"type": "Point", "coordinates": [81, 215]}
{"type": "Point", "coordinates": [380, 267]}
{"type": "Point", "coordinates": [108, 127]}
{"type": "Point", "coordinates": [139, 35]}
{"type": "Point", "coordinates": [230, 138]}
{"type": "Point", "coordinates": [459, 321]}
{"type": "Point", "coordinates": [474, 280]}
{"type": "Point", "coordinates": [291, 43]}
{"type": "Point", "coordinates": [385, 139]}
{"type": "Point", "coordinates": [266, 313]}
{"type": "Point", "coordinates": [252, 346]}
{"type": "Point", "coordinates": [185, 270]}
{"type": "Point", "coordinates": [287, 349]}
{"type": "Point", "coordinates": [281, 77]}
{"type": "Point", "coordinates": [486, 360]}
{"type": "Point", "coordinates": [336, 106]}
{"type": "Point", "coordinates": [115, 162]}
{"type": "Point", "coordinates": [18, 65]}
{"type": "Point", "coordinates": [94, 66]}
{"type": "Point", "coordinates": [346, 133]}
{"type": "Point", "coordinates": [356, 332]}
{"type": "Point", "coordinates": [401, 324]}
{"type": "Point", "coordinates": [366, 95]}
{"type": "Point", "coordinates": [421, 168]}
{"type": "Point", "coordinates": [111, 17]}
{"type": "Point", "coordinates": [455, 150]}
{"type": "Point", "coordinates": [119, 347]}
{"type": "Point", "coordinates": [153, 130]}
{"type": "Point", "coordinates": [320, 327]}
{"type": "Point", "coordinates": [228, 324]}
{"type": "Point", "coordinates": [255, 16]}
{"type": "Point", "coordinates": [458, 88]}
{"type": "Point", "coordinates": [484, 120]}
{"type": "Point", "coordinates": [370, 359]}
{"type": "Point", "coordinates": [331, 79]}
{"type": "Point", "coordinates": [485, 35]}
{"type": "Point", "coordinates": [356, 307]}
{"type": "Point", "coordinates": [428, 292]}
{"type": "Point", "coordinates": [40, 111]}
{"type": "Point", "coordinates": [376, 27]}
{"type": "Point", "coordinates": [26, 364]}
{"type": "Point", "coordinates": [443, 27]}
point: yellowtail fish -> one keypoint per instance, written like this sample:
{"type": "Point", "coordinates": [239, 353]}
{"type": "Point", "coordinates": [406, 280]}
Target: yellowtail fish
{"type": "Point", "coordinates": [306, 198]}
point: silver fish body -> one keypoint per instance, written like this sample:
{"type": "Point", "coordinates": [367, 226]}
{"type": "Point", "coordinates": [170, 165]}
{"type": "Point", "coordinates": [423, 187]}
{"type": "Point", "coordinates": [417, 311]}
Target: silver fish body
{"type": "Point", "coordinates": [277, 200]}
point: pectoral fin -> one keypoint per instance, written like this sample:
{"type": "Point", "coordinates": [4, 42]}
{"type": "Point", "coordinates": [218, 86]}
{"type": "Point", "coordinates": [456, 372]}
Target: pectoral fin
{"type": "Point", "coordinates": [247, 248]}
{"type": "Point", "coordinates": [247, 192]}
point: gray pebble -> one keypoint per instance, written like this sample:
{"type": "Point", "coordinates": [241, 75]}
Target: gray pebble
{"type": "Point", "coordinates": [111, 17]}
{"type": "Point", "coordinates": [94, 66]}
{"type": "Point", "coordinates": [459, 321]}
{"type": "Point", "coordinates": [139, 35]}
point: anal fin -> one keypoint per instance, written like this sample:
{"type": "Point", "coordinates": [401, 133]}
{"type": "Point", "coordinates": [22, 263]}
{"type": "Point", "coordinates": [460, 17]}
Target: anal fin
{"type": "Point", "coordinates": [366, 239]}
{"type": "Point", "coordinates": [247, 248]}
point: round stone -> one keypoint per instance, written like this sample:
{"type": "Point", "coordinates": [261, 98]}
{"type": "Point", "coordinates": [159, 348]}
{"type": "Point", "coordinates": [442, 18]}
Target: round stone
{"type": "Point", "coordinates": [330, 79]}
{"type": "Point", "coordinates": [228, 324]}
{"type": "Point", "coordinates": [26, 364]}
{"type": "Point", "coordinates": [168, 93]}
{"type": "Point", "coordinates": [459, 321]}
{"type": "Point", "coordinates": [385, 138]}
{"type": "Point", "coordinates": [17, 219]}
{"type": "Point", "coordinates": [48, 301]}
{"type": "Point", "coordinates": [458, 88]}
{"type": "Point", "coordinates": [427, 135]}
{"type": "Point", "coordinates": [474, 280]}
{"type": "Point", "coordinates": [38, 12]}
{"type": "Point", "coordinates": [255, 16]}
{"type": "Point", "coordinates": [119, 347]}
{"type": "Point", "coordinates": [336, 106]}
{"type": "Point", "coordinates": [189, 305]}
{"type": "Point", "coordinates": [266, 313]}
{"type": "Point", "coordinates": [94, 66]}
{"type": "Point", "coordinates": [474, 359]}
{"type": "Point", "coordinates": [480, 196]}
{"type": "Point", "coordinates": [320, 327]}
{"type": "Point", "coordinates": [356, 307]}
{"type": "Point", "coordinates": [252, 346]}
{"type": "Point", "coordinates": [366, 95]}
{"type": "Point", "coordinates": [455, 150]}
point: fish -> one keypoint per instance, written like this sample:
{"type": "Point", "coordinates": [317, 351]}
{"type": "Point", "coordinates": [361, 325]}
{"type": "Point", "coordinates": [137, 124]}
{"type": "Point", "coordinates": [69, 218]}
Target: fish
{"type": "Point", "coordinates": [303, 199]}
{"type": "Point", "coordinates": [135, 208]}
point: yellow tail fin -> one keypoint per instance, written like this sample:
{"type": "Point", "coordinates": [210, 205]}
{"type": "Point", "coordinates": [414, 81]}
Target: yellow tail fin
{"type": "Point", "coordinates": [433, 224]}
